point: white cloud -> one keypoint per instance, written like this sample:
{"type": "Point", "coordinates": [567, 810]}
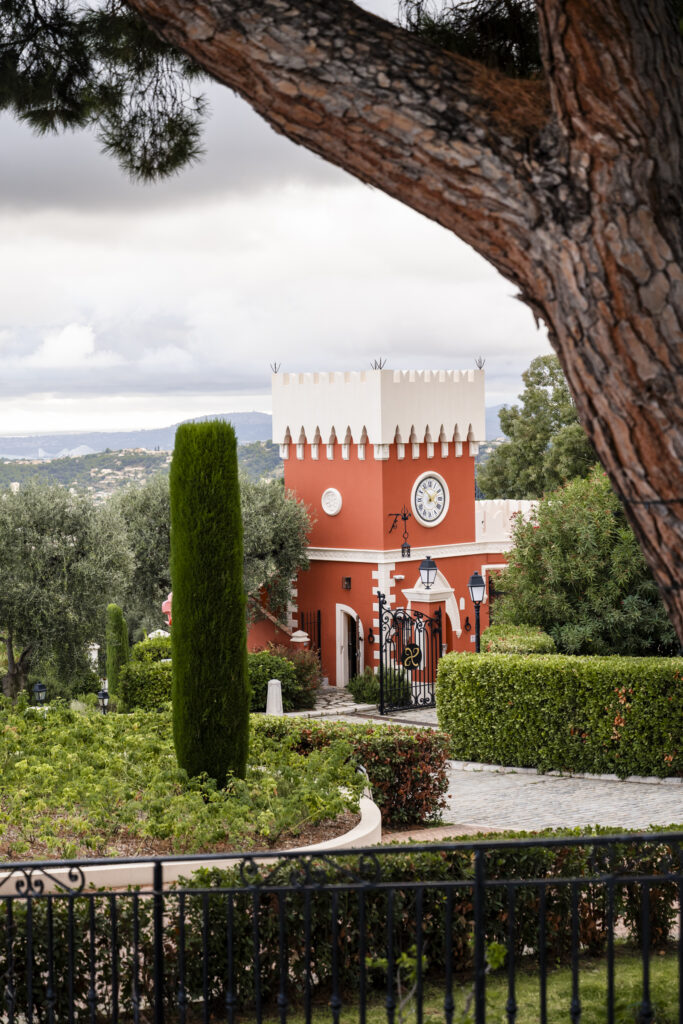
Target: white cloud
{"type": "Point", "coordinates": [72, 346]}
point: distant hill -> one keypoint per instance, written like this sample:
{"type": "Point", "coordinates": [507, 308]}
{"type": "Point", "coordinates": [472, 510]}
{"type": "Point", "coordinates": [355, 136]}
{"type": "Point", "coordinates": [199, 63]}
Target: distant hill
{"type": "Point", "coordinates": [250, 426]}
{"type": "Point", "coordinates": [102, 473]}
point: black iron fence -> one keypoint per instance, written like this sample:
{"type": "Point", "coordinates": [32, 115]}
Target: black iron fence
{"type": "Point", "coordinates": [441, 930]}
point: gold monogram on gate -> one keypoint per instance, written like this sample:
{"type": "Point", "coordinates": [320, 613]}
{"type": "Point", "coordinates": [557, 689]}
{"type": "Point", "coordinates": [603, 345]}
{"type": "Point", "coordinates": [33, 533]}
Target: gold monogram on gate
{"type": "Point", "coordinates": [411, 656]}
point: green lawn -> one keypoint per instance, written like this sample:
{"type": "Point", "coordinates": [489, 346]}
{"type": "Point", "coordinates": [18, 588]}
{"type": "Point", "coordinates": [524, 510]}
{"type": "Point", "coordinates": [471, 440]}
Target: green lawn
{"type": "Point", "coordinates": [592, 993]}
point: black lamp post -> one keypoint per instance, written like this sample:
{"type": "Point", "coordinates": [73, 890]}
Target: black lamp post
{"type": "Point", "coordinates": [428, 572]}
{"type": "Point", "coordinates": [39, 693]}
{"type": "Point", "coordinates": [477, 589]}
{"type": "Point", "coordinates": [103, 701]}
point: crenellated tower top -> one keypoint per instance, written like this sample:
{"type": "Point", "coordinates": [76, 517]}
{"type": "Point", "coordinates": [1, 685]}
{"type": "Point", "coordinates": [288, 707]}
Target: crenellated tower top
{"type": "Point", "coordinates": [379, 407]}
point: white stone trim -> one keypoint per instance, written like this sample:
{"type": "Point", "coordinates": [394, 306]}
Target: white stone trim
{"type": "Point", "coordinates": [415, 450]}
{"type": "Point", "coordinates": [300, 451]}
{"type": "Point", "coordinates": [346, 448]}
{"type": "Point", "coordinates": [444, 449]}
{"type": "Point", "coordinates": [341, 665]}
{"type": "Point", "coordinates": [430, 449]}
{"type": "Point", "coordinates": [400, 451]}
{"type": "Point", "coordinates": [330, 451]}
{"type": "Point", "coordinates": [361, 453]}
{"type": "Point", "coordinates": [474, 447]}
{"type": "Point", "coordinates": [484, 572]}
{"type": "Point", "coordinates": [381, 452]}
{"type": "Point", "coordinates": [393, 555]}
{"type": "Point", "coordinates": [315, 451]}
{"type": "Point", "coordinates": [284, 451]}
{"type": "Point", "coordinates": [457, 449]}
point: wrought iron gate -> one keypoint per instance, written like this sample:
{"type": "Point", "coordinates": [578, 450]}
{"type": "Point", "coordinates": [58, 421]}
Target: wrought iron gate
{"type": "Point", "coordinates": [409, 652]}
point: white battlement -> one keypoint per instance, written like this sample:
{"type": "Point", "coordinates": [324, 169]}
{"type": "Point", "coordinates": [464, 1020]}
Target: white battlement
{"type": "Point", "coordinates": [494, 518]}
{"type": "Point", "coordinates": [379, 407]}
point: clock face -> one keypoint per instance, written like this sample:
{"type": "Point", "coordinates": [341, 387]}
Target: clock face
{"type": "Point", "coordinates": [430, 499]}
{"type": "Point", "coordinates": [331, 501]}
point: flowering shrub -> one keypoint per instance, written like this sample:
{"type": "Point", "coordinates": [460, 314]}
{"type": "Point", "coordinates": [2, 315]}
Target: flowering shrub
{"type": "Point", "coordinates": [589, 714]}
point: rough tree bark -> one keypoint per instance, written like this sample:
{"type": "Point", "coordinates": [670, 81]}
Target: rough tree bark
{"type": "Point", "coordinates": [16, 677]}
{"type": "Point", "coordinates": [570, 187]}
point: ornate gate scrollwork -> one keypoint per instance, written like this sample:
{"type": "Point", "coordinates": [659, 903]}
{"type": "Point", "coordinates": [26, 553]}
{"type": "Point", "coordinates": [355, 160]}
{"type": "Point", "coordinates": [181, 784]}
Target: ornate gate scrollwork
{"type": "Point", "coordinates": [409, 652]}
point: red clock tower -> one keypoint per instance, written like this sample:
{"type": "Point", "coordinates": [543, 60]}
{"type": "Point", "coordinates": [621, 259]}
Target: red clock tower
{"type": "Point", "coordinates": [361, 449]}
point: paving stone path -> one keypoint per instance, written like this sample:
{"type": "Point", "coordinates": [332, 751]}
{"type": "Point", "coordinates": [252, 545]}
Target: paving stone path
{"type": "Point", "coordinates": [492, 798]}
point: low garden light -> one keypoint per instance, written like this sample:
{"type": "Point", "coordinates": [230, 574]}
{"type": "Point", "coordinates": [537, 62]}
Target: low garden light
{"type": "Point", "coordinates": [103, 701]}
{"type": "Point", "coordinates": [39, 693]}
{"type": "Point", "coordinates": [428, 572]}
{"type": "Point", "coordinates": [477, 589]}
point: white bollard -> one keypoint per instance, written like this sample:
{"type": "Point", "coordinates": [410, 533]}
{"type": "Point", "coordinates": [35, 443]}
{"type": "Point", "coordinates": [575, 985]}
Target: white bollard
{"type": "Point", "coordinates": [274, 698]}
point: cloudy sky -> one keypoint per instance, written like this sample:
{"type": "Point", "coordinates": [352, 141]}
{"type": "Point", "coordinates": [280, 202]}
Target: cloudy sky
{"type": "Point", "coordinates": [128, 306]}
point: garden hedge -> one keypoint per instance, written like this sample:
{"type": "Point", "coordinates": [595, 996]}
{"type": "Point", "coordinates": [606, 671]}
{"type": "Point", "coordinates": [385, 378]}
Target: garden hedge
{"type": "Point", "coordinates": [517, 640]}
{"type": "Point", "coordinates": [208, 918]}
{"type": "Point", "coordinates": [146, 685]}
{"type": "Point", "coordinates": [406, 767]}
{"type": "Point", "coordinates": [156, 648]}
{"type": "Point", "coordinates": [585, 714]}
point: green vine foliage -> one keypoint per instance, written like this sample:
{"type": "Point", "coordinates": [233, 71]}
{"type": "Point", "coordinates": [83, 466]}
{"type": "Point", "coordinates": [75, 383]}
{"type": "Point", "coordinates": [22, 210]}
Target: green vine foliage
{"type": "Point", "coordinates": [554, 712]}
{"type": "Point", "coordinates": [85, 784]}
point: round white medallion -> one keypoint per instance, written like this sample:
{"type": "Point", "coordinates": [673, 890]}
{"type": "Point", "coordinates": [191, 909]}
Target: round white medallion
{"type": "Point", "coordinates": [331, 501]}
{"type": "Point", "coordinates": [429, 499]}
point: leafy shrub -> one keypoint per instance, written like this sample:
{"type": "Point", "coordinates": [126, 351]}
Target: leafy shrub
{"type": "Point", "coordinates": [157, 648]}
{"type": "Point", "coordinates": [585, 714]}
{"type": "Point", "coordinates": [517, 640]}
{"type": "Point", "coordinates": [146, 685]}
{"type": "Point", "coordinates": [298, 671]}
{"type": "Point", "coordinates": [263, 666]}
{"type": "Point", "coordinates": [365, 688]}
{"type": "Point", "coordinates": [406, 767]}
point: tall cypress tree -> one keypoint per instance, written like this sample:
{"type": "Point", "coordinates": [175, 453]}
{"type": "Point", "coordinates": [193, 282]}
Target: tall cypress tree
{"type": "Point", "coordinates": [209, 635]}
{"type": "Point", "coordinates": [118, 652]}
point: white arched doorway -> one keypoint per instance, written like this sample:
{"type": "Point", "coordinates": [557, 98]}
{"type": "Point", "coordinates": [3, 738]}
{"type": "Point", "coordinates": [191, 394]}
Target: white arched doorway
{"type": "Point", "coordinates": [350, 646]}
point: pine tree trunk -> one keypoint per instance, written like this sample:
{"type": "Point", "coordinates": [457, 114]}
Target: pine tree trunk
{"type": "Point", "coordinates": [570, 187]}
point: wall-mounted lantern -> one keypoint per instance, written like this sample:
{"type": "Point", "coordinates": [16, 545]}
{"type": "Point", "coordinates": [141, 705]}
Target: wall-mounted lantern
{"type": "Point", "coordinates": [403, 515]}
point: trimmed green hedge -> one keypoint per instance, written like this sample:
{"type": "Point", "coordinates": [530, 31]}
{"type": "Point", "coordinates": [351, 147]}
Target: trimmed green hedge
{"type": "Point", "coordinates": [517, 640]}
{"type": "Point", "coordinates": [146, 685]}
{"type": "Point", "coordinates": [156, 649]}
{"type": "Point", "coordinates": [583, 714]}
{"type": "Point", "coordinates": [406, 767]}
